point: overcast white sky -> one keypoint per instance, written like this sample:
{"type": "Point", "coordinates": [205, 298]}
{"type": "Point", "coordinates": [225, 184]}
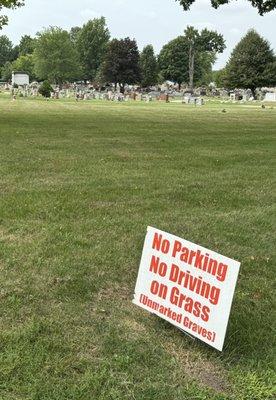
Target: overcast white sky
{"type": "Point", "coordinates": [149, 21]}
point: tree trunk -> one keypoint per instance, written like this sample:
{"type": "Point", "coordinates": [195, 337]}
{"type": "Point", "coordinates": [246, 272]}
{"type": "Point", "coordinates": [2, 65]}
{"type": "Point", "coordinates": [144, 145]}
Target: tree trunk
{"type": "Point", "coordinates": [191, 67]}
{"type": "Point", "coordinates": [253, 90]}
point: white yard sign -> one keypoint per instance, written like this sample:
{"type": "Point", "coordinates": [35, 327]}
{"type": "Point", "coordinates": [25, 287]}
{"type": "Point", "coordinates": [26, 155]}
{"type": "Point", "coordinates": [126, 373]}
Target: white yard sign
{"type": "Point", "coordinates": [187, 285]}
{"type": "Point", "coordinates": [20, 79]}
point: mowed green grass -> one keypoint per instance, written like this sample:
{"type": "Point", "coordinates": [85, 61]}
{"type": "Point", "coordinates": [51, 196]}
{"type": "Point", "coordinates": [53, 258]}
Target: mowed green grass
{"type": "Point", "coordinates": [80, 182]}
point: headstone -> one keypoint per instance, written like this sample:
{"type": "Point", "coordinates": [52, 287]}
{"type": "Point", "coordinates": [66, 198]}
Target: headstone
{"type": "Point", "coordinates": [270, 97]}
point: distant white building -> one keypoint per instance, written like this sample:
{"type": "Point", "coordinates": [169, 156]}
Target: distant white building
{"type": "Point", "coordinates": [20, 78]}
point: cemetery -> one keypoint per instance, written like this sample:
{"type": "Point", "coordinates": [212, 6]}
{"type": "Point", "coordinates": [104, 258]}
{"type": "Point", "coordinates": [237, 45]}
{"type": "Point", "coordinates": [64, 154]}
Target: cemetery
{"type": "Point", "coordinates": [72, 229]}
{"type": "Point", "coordinates": [137, 207]}
{"type": "Point", "coordinates": [83, 91]}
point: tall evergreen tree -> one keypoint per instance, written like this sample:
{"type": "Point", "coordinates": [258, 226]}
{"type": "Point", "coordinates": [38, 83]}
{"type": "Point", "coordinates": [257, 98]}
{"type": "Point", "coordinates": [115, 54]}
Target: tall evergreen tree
{"type": "Point", "coordinates": [251, 64]}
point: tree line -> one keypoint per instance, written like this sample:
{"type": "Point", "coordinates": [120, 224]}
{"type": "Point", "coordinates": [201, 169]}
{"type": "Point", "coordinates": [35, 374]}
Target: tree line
{"type": "Point", "coordinates": [88, 53]}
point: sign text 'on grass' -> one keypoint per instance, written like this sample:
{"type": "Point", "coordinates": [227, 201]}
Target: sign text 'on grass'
{"type": "Point", "coordinates": [187, 285]}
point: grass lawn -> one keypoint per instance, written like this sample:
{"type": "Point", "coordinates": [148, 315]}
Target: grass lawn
{"type": "Point", "coordinates": [79, 184]}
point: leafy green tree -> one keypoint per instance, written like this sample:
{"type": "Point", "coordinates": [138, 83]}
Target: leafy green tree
{"type": "Point", "coordinates": [219, 77]}
{"type": "Point", "coordinates": [263, 6]}
{"type": "Point", "coordinates": [26, 45]}
{"type": "Point", "coordinates": [74, 34]}
{"type": "Point", "coordinates": [204, 71]}
{"type": "Point", "coordinates": [6, 49]}
{"type": "Point", "coordinates": [174, 62]}
{"type": "Point", "coordinates": [100, 78]}
{"type": "Point", "coordinates": [121, 62]}
{"type": "Point", "coordinates": [15, 53]}
{"type": "Point", "coordinates": [251, 64]}
{"type": "Point", "coordinates": [55, 56]}
{"type": "Point", "coordinates": [6, 71]}
{"type": "Point", "coordinates": [200, 42]}
{"type": "Point", "coordinates": [45, 89]}
{"type": "Point", "coordinates": [25, 64]}
{"type": "Point", "coordinates": [91, 44]}
{"type": "Point", "coordinates": [148, 66]}
{"type": "Point", "coordinates": [8, 4]}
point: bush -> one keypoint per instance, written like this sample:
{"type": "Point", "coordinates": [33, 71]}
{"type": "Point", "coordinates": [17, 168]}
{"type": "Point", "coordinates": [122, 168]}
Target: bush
{"type": "Point", "coordinates": [45, 89]}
